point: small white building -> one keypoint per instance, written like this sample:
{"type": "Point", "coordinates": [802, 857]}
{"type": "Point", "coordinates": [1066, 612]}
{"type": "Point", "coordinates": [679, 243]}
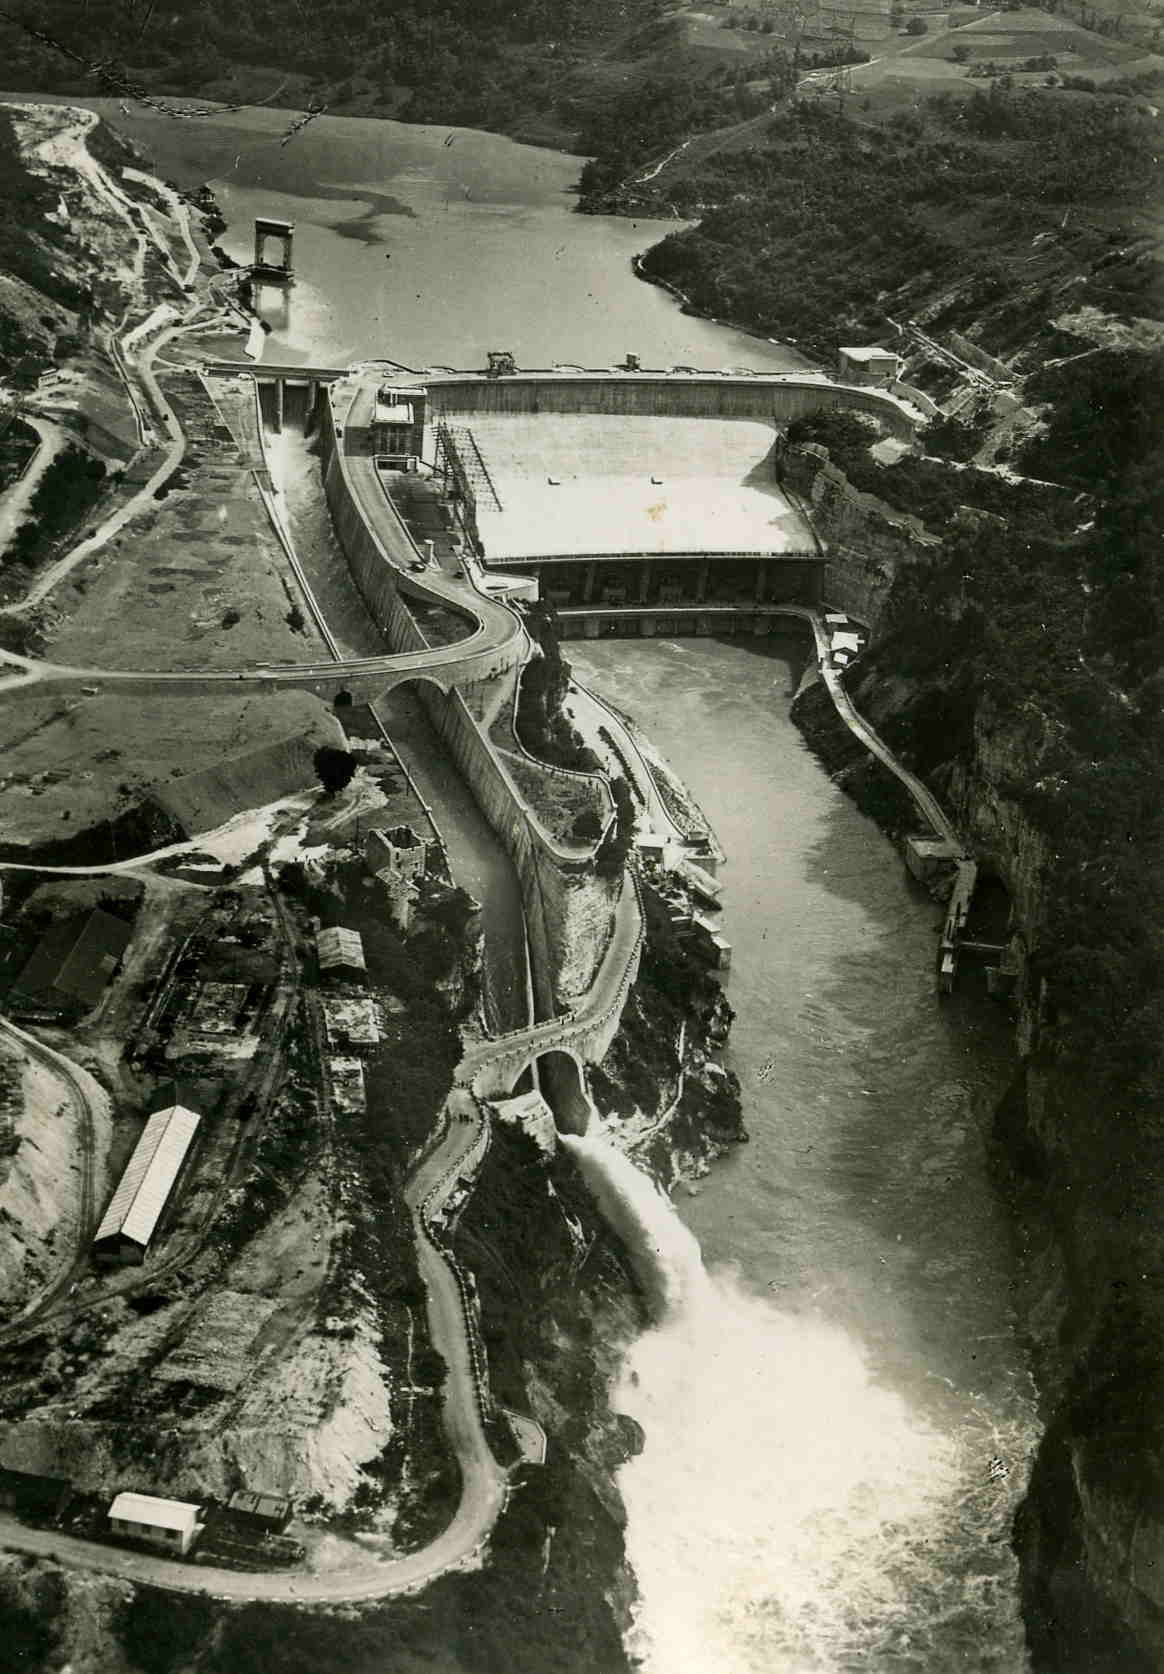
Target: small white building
{"type": "Point", "coordinates": [860, 365]}
{"type": "Point", "coordinates": [849, 642]}
{"type": "Point", "coordinates": [170, 1524]}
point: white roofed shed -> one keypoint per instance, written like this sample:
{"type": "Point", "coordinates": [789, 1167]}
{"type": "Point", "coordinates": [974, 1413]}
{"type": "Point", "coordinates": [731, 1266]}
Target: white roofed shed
{"type": "Point", "coordinates": [340, 952]}
{"type": "Point", "coordinates": [130, 1221]}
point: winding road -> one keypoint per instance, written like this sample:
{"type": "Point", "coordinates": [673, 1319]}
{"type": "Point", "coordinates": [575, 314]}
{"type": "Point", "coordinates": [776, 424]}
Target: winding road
{"type": "Point", "coordinates": [16, 501]}
{"type": "Point", "coordinates": [87, 1099]}
{"type": "Point", "coordinates": [496, 629]}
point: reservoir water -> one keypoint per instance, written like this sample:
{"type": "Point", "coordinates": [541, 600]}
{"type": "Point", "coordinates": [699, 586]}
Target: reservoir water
{"type": "Point", "coordinates": [836, 1407]}
{"type": "Point", "coordinates": [432, 245]}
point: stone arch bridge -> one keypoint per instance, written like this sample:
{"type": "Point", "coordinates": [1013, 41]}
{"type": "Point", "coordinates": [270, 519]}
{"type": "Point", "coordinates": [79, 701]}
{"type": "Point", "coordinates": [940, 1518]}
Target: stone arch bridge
{"type": "Point", "coordinates": [559, 1048]}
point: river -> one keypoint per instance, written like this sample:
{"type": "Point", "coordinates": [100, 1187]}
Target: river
{"type": "Point", "coordinates": [837, 1411]}
{"type": "Point", "coordinates": [836, 1407]}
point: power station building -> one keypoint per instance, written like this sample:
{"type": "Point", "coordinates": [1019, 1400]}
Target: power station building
{"type": "Point", "coordinates": [151, 1174]}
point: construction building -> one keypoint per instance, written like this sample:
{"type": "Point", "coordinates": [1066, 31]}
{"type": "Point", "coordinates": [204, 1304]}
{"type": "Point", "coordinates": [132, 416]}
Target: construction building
{"type": "Point", "coordinates": [152, 1173]}
{"type": "Point", "coordinates": [73, 963]}
{"type": "Point", "coordinates": [868, 365]}
{"type": "Point", "coordinates": [351, 1022]}
{"type": "Point", "coordinates": [341, 954]}
{"type": "Point", "coordinates": [268, 1513]}
{"type": "Point", "coordinates": [346, 1080]}
{"type": "Point", "coordinates": [399, 847]}
{"type": "Point", "coordinates": [170, 1524]}
{"type": "Point", "coordinates": [396, 858]}
{"type": "Point", "coordinates": [398, 426]}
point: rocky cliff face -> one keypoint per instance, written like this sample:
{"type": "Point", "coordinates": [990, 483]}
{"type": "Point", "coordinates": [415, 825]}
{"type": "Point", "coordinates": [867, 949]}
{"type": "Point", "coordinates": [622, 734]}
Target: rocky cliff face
{"type": "Point", "coordinates": [1079, 1157]}
{"type": "Point", "coordinates": [867, 541]}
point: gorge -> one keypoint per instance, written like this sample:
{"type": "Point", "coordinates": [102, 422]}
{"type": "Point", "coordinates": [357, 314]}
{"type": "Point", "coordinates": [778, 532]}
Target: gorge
{"type": "Point", "coordinates": [831, 1241]}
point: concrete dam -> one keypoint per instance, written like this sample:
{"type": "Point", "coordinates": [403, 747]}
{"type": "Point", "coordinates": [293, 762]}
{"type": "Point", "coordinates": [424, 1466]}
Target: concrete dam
{"type": "Point", "coordinates": [635, 501]}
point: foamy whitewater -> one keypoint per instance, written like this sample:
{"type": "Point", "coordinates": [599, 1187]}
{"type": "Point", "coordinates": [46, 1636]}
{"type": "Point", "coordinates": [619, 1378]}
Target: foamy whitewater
{"type": "Point", "coordinates": [786, 1515]}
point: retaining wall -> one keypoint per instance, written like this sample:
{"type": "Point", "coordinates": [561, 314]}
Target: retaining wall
{"type": "Point", "coordinates": [543, 866]}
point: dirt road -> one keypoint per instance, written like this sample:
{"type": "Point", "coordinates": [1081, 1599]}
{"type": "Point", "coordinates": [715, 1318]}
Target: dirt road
{"type": "Point", "coordinates": [483, 1482]}
{"type": "Point", "coordinates": [90, 1107]}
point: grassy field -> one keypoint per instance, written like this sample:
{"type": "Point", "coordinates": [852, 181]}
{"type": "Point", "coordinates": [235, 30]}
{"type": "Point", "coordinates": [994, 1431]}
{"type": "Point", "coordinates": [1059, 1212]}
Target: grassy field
{"type": "Point", "coordinates": [198, 582]}
{"type": "Point", "coordinates": [70, 762]}
{"type": "Point", "coordinates": [1004, 39]}
{"type": "Point", "coordinates": [904, 70]}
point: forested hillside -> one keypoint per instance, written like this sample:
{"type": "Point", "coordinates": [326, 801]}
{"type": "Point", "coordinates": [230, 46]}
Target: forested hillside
{"type": "Point", "coordinates": [469, 61]}
{"type": "Point", "coordinates": [829, 221]}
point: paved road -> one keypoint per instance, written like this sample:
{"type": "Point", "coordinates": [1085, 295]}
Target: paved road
{"type": "Point", "coordinates": [180, 212]}
{"type": "Point", "coordinates": [924, 800]}
{"type": "Point", "coordinates": [68, 149]}
{"type": "Point", "coordinates": [926, 803]}
{"type": "Point", "coordinates": [607, 991]}
{"type": "Point", "coordinates": [484, 1483]}
{"type": "Point", "coordinates": [497, 633]}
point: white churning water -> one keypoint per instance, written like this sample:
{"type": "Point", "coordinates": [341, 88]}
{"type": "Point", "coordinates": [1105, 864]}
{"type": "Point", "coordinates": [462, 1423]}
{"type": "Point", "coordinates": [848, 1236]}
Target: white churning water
{"type": "Point", "coordinates": [782, 1512]}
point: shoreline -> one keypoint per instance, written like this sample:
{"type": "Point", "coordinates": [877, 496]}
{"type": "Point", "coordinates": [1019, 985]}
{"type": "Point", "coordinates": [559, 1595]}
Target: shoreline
{"type": "Point", "coordinates": [686, 306]}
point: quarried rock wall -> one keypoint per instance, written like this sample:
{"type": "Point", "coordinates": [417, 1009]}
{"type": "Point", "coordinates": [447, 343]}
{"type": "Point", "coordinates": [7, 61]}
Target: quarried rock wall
{"type": "Point", "coordinates": [867, 540]}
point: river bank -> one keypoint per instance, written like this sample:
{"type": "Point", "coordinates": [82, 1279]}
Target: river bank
{"type": "Point", "coordinates": [641, 271]}
{"type": "Point", "coordinates": [1071, 1155]}
{"type": "Point", "coordinates": [384, 215]}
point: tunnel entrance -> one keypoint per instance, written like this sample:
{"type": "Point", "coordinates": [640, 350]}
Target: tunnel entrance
{"type": "Point", "coordinates": [343, 700]}
{"type": "Point", "coordinates": [563, 1086]}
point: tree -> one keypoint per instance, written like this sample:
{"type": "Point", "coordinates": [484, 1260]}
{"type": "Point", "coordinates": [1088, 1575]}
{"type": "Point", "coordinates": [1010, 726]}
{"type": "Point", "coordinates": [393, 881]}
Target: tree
{"type": "Point", "coordinates": [616, 847]}
{"type": "Point", "coordinates": [334, 767]}
{"type": "Point", "coordinates": [587, 827]}
{"type": "Point", "coordinates": [961, 52]}
{"type": "Point", "coordinates": [917, 26]}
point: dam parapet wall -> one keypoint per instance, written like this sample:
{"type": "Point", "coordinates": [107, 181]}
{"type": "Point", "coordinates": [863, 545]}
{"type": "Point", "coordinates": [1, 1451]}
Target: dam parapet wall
{"type": "Point", "coordinates": [776, 399]}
